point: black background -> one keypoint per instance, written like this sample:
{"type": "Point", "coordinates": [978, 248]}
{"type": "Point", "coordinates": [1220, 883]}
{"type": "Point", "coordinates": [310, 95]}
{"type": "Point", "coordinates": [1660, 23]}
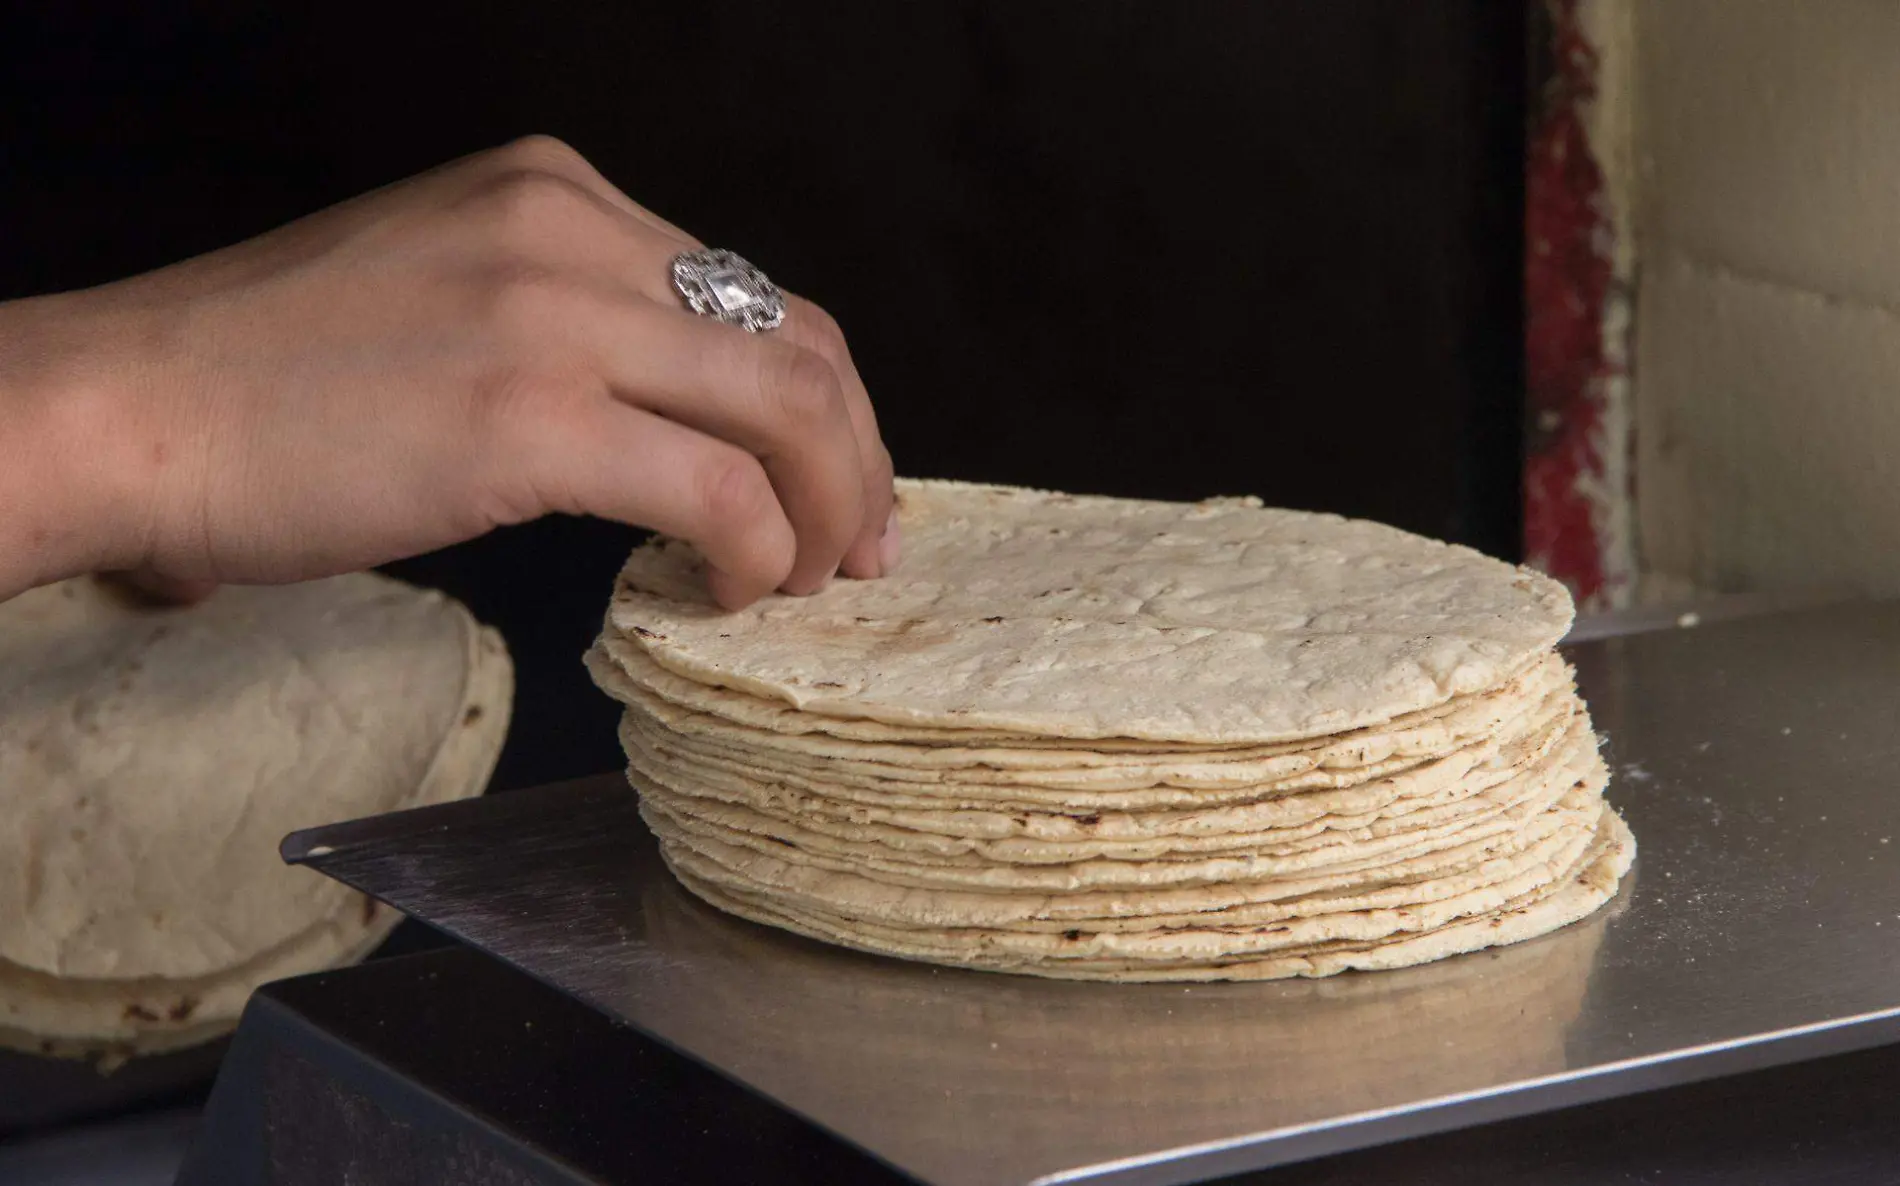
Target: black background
{"type": "Point", "coordinates": [1172, 248]}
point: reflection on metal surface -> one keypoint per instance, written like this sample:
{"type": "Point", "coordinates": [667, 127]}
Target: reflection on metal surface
{"type": "Point", "coordinates": [985, 1073]}
{"type": "Point", "coordinates": [1755, 760]}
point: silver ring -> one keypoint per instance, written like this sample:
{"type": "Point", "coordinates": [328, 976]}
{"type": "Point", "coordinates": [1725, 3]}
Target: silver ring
{"type": "Point", "coordinates": [721, 285]}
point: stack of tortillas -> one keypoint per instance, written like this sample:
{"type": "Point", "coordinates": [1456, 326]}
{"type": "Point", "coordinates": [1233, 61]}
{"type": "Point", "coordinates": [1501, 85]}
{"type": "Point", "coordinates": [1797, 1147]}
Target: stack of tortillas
{"type": "Point", "coordinates": [152, 759]}
{"type": "Point", "coordinates": [1108, 739]}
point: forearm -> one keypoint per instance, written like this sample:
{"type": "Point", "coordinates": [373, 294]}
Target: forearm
{"type": "Point", "coordinates": [61, 513]}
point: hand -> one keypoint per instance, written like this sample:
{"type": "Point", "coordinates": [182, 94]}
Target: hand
{"type": "Point", "coordinates": [486, 343]}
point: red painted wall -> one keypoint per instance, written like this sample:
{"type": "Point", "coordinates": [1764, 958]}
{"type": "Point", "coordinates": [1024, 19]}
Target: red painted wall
{"type": "Point", "coordinates": [1568, 282]}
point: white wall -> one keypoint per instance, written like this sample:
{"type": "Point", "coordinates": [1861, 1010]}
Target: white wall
{"type": "Point", "coordinates": [1767, 386]}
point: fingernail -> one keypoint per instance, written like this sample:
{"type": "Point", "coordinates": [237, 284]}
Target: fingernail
{"type": "Point", "coordinates": [889, 546]}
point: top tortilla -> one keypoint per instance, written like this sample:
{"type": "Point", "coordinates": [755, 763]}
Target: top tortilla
{"type": "Point", "coordinates": [152, 759]}
{"type": "Point", "coordinates": [1058, 615]}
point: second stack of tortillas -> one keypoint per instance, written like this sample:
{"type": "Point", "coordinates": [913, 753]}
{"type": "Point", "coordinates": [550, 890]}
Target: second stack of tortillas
{"type": "Point", "coordinates": [152, 759]}
{"type": "Point", "coordinates": [1107, 739]}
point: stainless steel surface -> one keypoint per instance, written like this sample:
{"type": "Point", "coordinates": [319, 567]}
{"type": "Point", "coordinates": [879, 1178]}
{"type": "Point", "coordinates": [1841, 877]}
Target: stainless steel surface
{"type": "Point", "coordinates": [1756, 761]}
{"type": "Point", "coordinates": [1706, 610]}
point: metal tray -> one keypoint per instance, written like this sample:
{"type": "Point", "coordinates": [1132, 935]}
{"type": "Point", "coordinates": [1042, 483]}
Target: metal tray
{"type": "Point", "coordinates": [1755, 760]}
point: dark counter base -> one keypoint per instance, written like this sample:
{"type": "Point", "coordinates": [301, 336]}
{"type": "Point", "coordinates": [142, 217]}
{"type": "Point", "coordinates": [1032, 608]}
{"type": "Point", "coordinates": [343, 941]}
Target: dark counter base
{"type": "Point", "coordinates": [397, 1071]}
{"type": "Point", "coordinates": [451, 1066]}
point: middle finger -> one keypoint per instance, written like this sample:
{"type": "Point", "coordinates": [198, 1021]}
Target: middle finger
{"type": "Point", "coordinates": [783, 404]}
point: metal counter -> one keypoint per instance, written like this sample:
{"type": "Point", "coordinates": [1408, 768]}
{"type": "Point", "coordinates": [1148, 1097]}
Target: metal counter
{"type": "Point", "coordinates": [1755, 761]}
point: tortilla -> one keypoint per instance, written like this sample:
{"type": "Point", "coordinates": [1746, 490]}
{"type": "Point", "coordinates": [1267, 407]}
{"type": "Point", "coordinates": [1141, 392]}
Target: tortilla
{"type": "Point", "coordinates": [624, 671]}
{"type": "Point", "coordinates": [1581, 890]}
{"type": "Point", "coordinates": [1451, 796]}
{"type": "Point", "coordinates": [118, 1019]}
{"type": "Point", "coordinates": [1079, 767]}
{"type": "Point", "coordinates": [1093, 738]}
{"type": "Point", "coordinates": [154, 757]}
{"type": "Point", "coordinates": [1082, 617]}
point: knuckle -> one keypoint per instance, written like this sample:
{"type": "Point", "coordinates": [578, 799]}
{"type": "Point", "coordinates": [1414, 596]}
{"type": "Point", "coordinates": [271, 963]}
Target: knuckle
{"type": "Point", "coordinates": [538, 149]}
{"type": "Point", "coordinates": [802, 390]}
{"type": "Point", "coordinates": [733, 491]}
{"type": "Point", "coordinates": [524, 201]}
{"type": "Point", "coordinates": [822, 330]}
